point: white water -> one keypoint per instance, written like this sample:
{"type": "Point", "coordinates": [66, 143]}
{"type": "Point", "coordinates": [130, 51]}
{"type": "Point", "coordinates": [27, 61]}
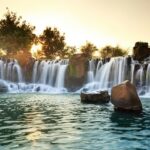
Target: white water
{"type": "Point", "coordinates": [104, 76]}
{"type": "Point", "coordinates": [148, 79]}
{"type": "Point", "coordinates": [10, 71]}
{"type": "Point", "coordinates": [50, 73]}
{"type": "Point", "coordinates": [47, 76]}
{"type": "Point", "coordinates": [140, 76]}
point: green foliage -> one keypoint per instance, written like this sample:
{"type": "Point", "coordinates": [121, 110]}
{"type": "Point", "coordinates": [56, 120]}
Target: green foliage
{"type": "Point", "coordinates": [15, 35]}
{"type": "Point", "coordinates": [88, 49]}
{"type": "Point", "coordinates": [67, 52]}
{"type": "Point", "coordinates": [53, 42]}
{"type": "Point", "coordinates": [110, 51]}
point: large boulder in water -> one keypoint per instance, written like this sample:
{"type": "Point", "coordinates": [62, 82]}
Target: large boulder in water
{"type": "Point", "coordinates": [3, 86]}
{"type": "Point", "coordinates": [95, 98]}
{"type": "Point", "coordinates": [124, 97]}
{"type": "Point", "coordinates": [76, 72]}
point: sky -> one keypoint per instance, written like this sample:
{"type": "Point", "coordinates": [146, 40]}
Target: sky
{"type": "Point", "coordinates": [102, 22]}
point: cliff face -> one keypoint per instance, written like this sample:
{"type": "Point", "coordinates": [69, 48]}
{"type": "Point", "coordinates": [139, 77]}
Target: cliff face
{"type": "Point", "coordinates": [76, 72]}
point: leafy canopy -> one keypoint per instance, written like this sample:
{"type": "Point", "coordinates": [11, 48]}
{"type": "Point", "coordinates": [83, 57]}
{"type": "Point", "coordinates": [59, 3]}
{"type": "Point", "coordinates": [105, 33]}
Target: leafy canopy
{"type": "Point", "coordinates": [53, 43]}
{"type": "Point", "coordinates": [15, 35]}
{"type": "Point", "coordinates": [110, 51]}
{"type": "Point", "coordinates": [88, 49]}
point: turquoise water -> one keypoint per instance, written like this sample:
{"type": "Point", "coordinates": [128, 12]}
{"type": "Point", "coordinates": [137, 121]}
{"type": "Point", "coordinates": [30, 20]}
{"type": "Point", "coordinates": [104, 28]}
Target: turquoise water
{"type": "Point", "coordinates": [61, 122]}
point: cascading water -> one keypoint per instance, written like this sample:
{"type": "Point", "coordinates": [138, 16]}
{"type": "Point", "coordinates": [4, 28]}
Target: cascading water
{"type": "Point", "coordinates": [47, 76]}
{"type": "Point", "coordinates": [10, 71]}
{"type": "Point", "coordinates": [90, 74]}
{"type": "Point", "coordinates": [148, 78]}
{"type": "Point", "coordinates": [106, 75]}
{"type": "Point", "coordinates": [139, 76]}
{"type": "Point", "coordinates": [50, 72]}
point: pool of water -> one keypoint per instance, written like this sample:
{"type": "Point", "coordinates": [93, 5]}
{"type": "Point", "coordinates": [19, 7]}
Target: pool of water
{"type": "Point", "coordinates": [62, 122]}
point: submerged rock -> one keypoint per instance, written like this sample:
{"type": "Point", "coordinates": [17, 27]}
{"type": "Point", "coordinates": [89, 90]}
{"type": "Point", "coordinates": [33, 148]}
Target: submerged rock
{"type": "Point", "coordinates": [3, 86]}
{"type": "Point", "coordinates": [95, 98]}
{"type": "Point", "coordinates": [124, 97]}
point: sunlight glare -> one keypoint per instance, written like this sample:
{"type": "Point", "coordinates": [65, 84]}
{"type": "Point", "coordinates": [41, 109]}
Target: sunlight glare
{"type": "Point", "coordinates": [35, 48]}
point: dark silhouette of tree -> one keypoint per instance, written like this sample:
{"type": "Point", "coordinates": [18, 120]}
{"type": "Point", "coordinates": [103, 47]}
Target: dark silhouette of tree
{"type": "Point", "coordinates": [141, 51]}
{"type": "Point", "coordinates": [53, 42]}
{"type": "Point", "coordinates": [110, 51]}
{"type": "Point", "coordinates": [88, 49]}
{"type": "Point", "coordinates": [67, 52]}
{"type": "Point", "coordinates": [15, 34]}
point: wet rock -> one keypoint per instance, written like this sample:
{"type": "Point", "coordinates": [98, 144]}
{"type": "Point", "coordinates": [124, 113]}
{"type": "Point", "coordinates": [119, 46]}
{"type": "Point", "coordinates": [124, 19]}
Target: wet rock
{"type": "Point", "coordinates": [124, 97]}
{"type": "Point", "coordinates": [95, 98]}
{"type": "Point", "coordinates": [129, 60]}
{"type": "Point", "coordinates": [76, 72]}
{"type": "Point", "coordinates": [142, 92]}
{"type": "Point", "coordinates": [38, 89]}
{"type": "Point", "coordinates": [3, 86]}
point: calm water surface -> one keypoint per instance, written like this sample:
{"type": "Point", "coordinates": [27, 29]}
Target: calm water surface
{"type": "Point", "coordinates": [61, 122]}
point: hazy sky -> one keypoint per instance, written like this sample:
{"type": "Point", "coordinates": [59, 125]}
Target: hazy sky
{"type": "Point", "coordinates": [102, 22]}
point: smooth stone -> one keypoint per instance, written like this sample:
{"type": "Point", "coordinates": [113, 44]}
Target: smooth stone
{"type": "Point", "coordinates": [95, 98]}
{"type": "Point", "coordinates": [124, 97]}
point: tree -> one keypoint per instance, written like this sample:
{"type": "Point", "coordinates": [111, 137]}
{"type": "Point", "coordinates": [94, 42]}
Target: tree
{"type": "Point", "coordinates": [15, 34]}
{"type": "Point", "coordinates": [110, 51]}
{"type": "Point", "coordinates": [53, 42]}
{"type": "Point", "coordinates": [88, 49]}
{"type": "Point", "coordinates": [67, 52]}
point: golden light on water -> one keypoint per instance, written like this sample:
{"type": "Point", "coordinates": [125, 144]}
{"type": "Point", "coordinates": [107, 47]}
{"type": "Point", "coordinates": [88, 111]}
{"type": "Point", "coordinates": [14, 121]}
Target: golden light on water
{"type": "Point", "coordinates": [34, 135]}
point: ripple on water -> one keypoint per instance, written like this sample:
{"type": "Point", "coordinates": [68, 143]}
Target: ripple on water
{"type": "Point", "coordinates": [60, 122]}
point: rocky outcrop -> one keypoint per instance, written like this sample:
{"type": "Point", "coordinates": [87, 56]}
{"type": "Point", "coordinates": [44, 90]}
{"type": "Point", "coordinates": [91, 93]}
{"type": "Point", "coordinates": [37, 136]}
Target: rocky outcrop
{"type": "Point", "coordinates": [3, 86]}
{"type": "Point", "coordinates": [124, 97]}
{"type": "Point", "coordinates": [76, 72]}
{"type": "Point", "coordinates": [95, 98]}
{"type": "Point", "coordinates": [141, 51]}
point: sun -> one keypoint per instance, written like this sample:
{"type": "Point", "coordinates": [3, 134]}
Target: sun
{"type": "Point", "coordinates": [35, 49]}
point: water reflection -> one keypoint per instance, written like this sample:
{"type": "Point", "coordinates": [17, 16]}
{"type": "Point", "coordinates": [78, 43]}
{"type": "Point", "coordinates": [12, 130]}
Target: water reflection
{"type": "Point", "coordinates": [34, 121]}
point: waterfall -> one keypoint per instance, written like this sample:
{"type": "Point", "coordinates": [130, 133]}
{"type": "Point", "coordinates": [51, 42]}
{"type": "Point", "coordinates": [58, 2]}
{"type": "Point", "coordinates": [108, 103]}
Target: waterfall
{"type": "Point", "coordinates": [10, 71]}
{"type": "Point", "coordinates": [139, 76]}
{"type": "Point", "coordinates": [1, 69]}
{"type": "Point", "coordinates": [34, 74]}
{"type": "Point", "coordinates": [106, 75]}
{"type": "Point", "coordinates": [50, 73]}
{"type": "Point", "coordinates": [47, 76]}
{"type": "Point", "coordinates": [132, 72]}
{"type": "Point", "coordinates": [148, 78]}
{"type": "Point", "coordinates": [90, 74]}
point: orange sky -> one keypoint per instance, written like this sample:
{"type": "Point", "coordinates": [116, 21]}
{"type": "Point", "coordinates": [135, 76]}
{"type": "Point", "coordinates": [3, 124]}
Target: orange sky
{"type": "Point", "coordinates": [102, 22]}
